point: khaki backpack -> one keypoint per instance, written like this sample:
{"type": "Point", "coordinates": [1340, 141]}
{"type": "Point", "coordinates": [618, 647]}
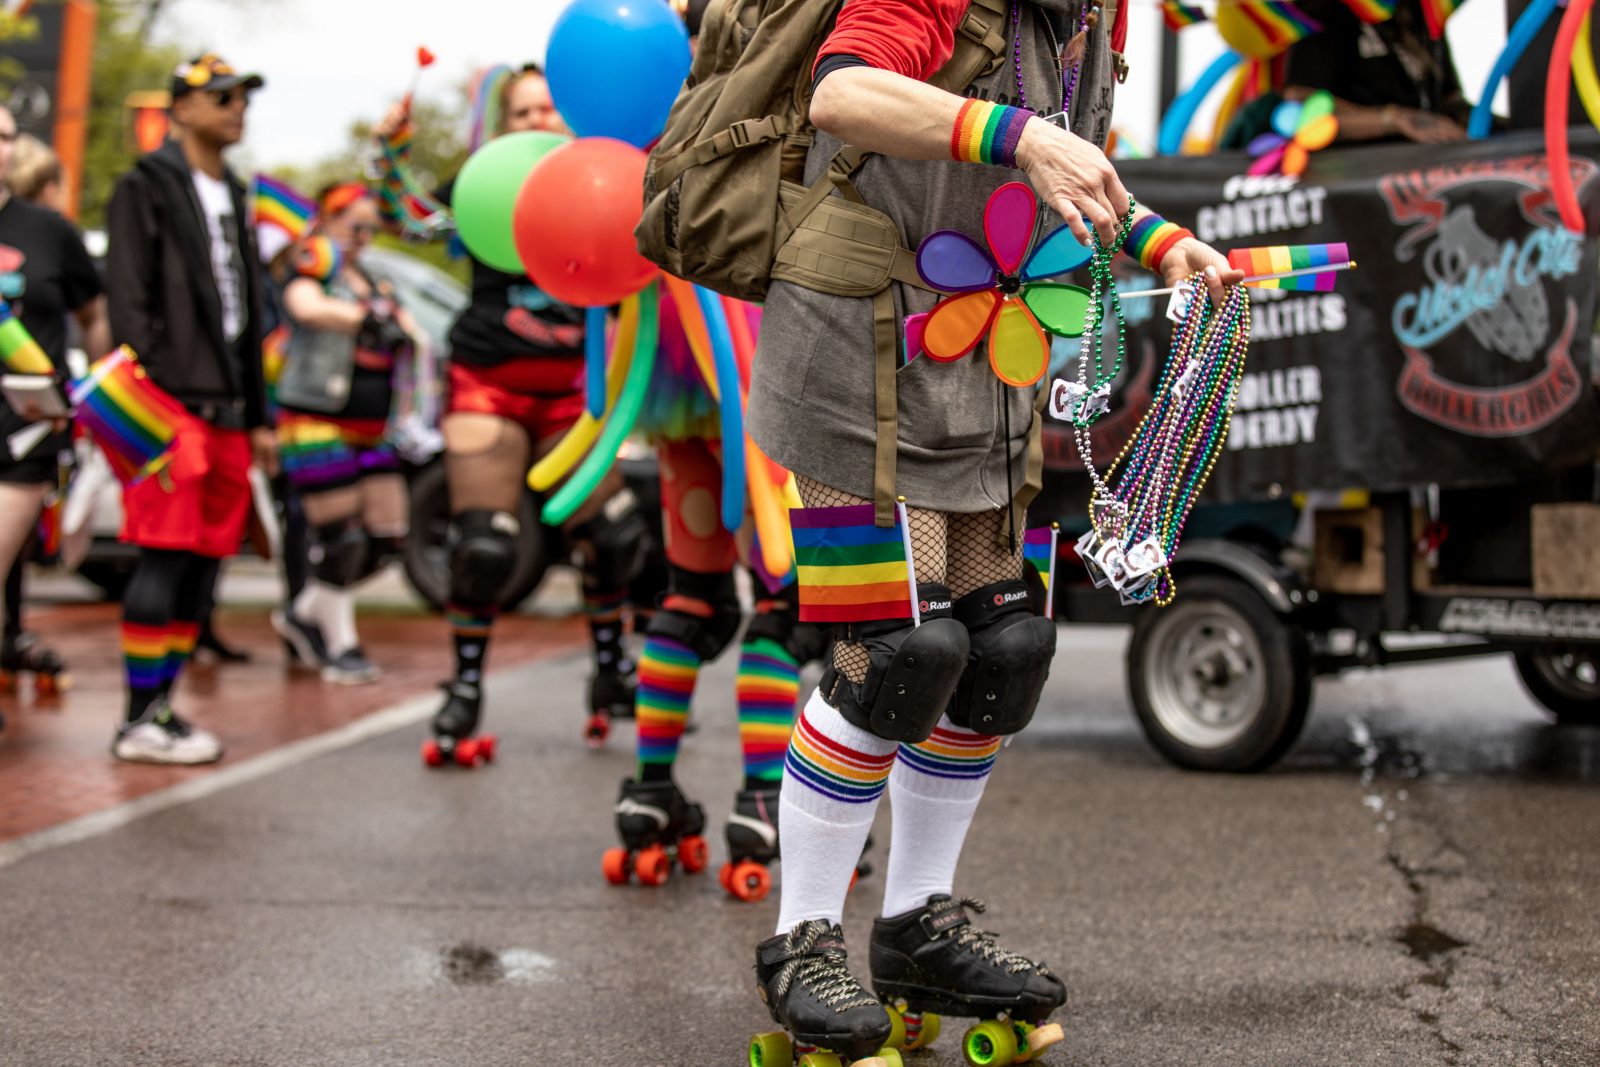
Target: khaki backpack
{"type": "Point", "coordinates": [726, 205]}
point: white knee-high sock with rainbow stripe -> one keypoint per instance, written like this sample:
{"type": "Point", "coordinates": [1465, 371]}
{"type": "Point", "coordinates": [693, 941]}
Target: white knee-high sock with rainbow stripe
{"type": "Point", "coordinates": [833, 776]}
{"type": "Point", "coordinates": [934, 790]}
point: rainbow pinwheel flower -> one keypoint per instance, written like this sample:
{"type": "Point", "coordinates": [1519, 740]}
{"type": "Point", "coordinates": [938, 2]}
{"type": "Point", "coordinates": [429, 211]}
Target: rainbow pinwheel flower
{"type": "Point", "coordinates": [1002, 291]}
{"type": "Point", "coordinates": [1298, 129]}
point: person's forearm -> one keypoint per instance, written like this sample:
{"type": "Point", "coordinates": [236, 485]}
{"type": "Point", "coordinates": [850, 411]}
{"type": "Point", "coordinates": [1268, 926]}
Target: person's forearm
{"type": "Point", "coordinates": [887, 113]}
{"type": "Point", "coordinates": [309, 306]}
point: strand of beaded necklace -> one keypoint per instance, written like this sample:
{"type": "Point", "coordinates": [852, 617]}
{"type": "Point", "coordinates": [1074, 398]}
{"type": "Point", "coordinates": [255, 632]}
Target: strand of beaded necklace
{"type": "Point", "coordinates": [1069, 72]}
{"type": "Point", "coordinates": [1094, 397]}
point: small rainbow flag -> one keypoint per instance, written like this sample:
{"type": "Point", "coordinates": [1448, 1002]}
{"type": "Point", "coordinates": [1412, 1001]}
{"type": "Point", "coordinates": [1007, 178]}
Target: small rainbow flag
{"type": "Point", "coordinates": [1039, 549]}
{"type": "Point", "coordinates": [18, 350]}
{"type": "Point", "coordinates": [849, 569]}
{"type": "Point", "coordinates": [280, 208]}
{"type": "Point", "coordinates": [1177, 14]}
{"type": "Point", "coordinates": [1437, 13]}
{"type": "Point", "coordinates": [1372, 10]}
{"type": "Point", "coordinates": [132, 419]}
{"type": "Point", "coordinates": [1280, 258]}
{"type": "Point", "coordinates": [1280, 22]}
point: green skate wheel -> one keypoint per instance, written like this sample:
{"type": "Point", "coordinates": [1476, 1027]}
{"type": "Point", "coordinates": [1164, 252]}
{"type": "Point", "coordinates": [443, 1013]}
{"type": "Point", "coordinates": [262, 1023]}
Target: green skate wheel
{"type": "Point", "coordinates": [1025, 1053]}
{"type": "Point", "coordinates": [897, 1027]}
{"type": "Point", "coordinates": [891, 1057]}
{"type": "Point", "coordinates": [771, 1050]}
{"type": "Point", "coordinates": [990, 1044]}
{"type": "Point", "coordinates": [820, 1059]}
{"type": "Point", "coordinates": [930, 1031]}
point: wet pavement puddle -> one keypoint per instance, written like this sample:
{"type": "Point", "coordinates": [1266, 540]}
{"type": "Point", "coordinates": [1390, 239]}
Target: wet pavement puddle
{"type": "Point", "coordinates": [469, 965]}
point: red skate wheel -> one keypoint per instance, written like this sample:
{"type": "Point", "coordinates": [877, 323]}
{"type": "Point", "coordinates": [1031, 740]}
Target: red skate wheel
{"type": "Point", "coordinates": [749, 881]}
{"type": "Point", "coordinates": [653, 866]}
{"type": "Point", "coordinates": [468, 752]}
{"type": "Point", "coordinates": [432, 754]}
{"type": "Point", "coordinates": [8, 682]}
{"type": "Point", "coordinates": [488, 746]}
{"type": "Point", "coordinates": [614, 864]}
{"type": "Point", "coordinates": [51, 685]}
{"type": "Point", "coordinates": [597, 730]}
{"type": "Point", "coordinates": [694, 854]}
{"type": "Point", "coordinates": [723, 876]}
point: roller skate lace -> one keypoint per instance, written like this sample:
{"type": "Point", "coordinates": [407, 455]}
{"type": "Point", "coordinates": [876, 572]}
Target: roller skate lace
{"type": "Point", "coordinates": [824, 975]}
{"type": "Point", "coordinates": [983, 943]}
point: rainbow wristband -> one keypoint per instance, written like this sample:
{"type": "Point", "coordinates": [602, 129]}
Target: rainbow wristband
{"type": "Point", "coordinates": [987, 133]}
{"type": "Point", "coordinates": [1151, 238]}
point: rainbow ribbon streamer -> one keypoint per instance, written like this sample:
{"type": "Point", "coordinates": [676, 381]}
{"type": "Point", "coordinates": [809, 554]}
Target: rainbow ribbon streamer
{"type": "Point", "coordinates": [1177, 14]}
{"type": "Point", "coordinates": [133, 420]}
{"type": "Point", "coordinates": [279, 207]}
{"type": "Point", "coordinates": [1278, 259]}
{"type": "Point", "coordinates": [1039, 549]}
{"type": "Point", "coordinates": [18, 350]}
{"type": "Point", "coordinates": [416, 213]}
{"type": "Point", "coordinates": [1437, 13]}
{"type": "Point", "coordinates": [1372, 10]}
{"type": "Point", "coordinates": [849, 569]}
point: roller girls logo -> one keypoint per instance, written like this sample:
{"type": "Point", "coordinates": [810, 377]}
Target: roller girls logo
{"type": "Point", "coordinates": [1498, 288]}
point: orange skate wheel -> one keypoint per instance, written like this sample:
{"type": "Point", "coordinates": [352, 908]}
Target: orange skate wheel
{"type": "Point", "coordinates": [8, 682]}
{"type": "Point", "coordinates": [723, 875]}
{"type": "Point", "coordinates": [653, 866]}
{"type": "Point", "coordinates": [51, 685]}
{"type": "Point", "coordinates": [614, 864]}
{"type": "Point", "coordinates": [694, 854]}
{"type": "Point", "coordinates": [432, 754]}
{"type": "Point", "coordinates": [749, 881]}
{"type": "Point", "coordinates": [488, 745]}
{"type": "Point", "coordinates": [468, 752]}
{"type": "Point", "coordinates": [597, 729]}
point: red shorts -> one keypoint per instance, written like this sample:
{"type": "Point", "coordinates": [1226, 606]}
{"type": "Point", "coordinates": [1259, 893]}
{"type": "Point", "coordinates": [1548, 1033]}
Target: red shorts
{"type": "Point", "coordinates": [543, 396]}
{"type": "Point", "coordinates": [200, 502]}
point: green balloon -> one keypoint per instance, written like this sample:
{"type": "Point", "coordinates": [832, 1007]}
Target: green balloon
{"type": "Point", "coordinates": [485, 195]}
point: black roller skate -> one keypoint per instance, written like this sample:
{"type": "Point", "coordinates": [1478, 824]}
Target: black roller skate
{"type": "Point", "coordinates": [611, 693]}
{"type": "Point", "coordinates": [752, 833]}
{"type": "Point", "coordinates": [454, 727]}
{"type": "Point", "coordinates": [933, 961]}
{"type": "Point", "coordinates": [828, 1019]}
{"type": "Point", "coordinates": [25, 653]}
{"type": "Point", "coordinates": [658, 825]}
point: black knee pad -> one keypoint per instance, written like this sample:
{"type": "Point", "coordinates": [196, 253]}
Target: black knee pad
{"type": "Point", "coordinates": [705, 637]}
{"type": "Point", "coordinates": [778, 619]}
{"type": "Point", "coordinates": [381, 551]}
{"type": "Point", "coordinates": [1011, 650]}
{"type": "Point", "coordinates": [913, 673]}
{"type": "Point", "coordinates": [483, 556]}
{"type": "Point", "coordinates": [619, 540]}
{"type": "Point", "coordinates": [339, 553]}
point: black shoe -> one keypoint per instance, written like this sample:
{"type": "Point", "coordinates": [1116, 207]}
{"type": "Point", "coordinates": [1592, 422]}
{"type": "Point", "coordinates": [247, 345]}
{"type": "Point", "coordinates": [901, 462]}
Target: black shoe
{"type": "Point", "coordinates": [463, 705]}
{"type": "Point", "coordinates": [212, 648]}
{"type": "Point", "coordinates": [804, 982]}
{"type": "Point", "coordinates": [612, 690]}
{"type": "Point", "coordinates": [303, 639]}
{"type": "Point", "coordinates": [935, 960]}
{"type": "Point", "coordinates": [351, 667]}
{"type": "Point", "coordinates": [656, 813]}
{"type": "Point", "coordinates": [752, 828]}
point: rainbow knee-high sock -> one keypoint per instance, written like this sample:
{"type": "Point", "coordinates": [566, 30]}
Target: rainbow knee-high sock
{"type": "Point", "coordinates": [667, 673]}
{"type": "Point", "coordinates": [181, 638]}
{"type": "Point", "coordinates": [766, 687]}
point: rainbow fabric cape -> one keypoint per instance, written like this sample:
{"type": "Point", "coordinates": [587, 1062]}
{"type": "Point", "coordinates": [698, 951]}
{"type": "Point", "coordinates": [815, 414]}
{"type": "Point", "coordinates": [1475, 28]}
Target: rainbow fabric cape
{"type": "Point", "coordinates": [849, 569]}
{"type": "Point", "coordinates": [1372, 10]}
{"type": "Point", "coordinates": [279, 207]}
{"type": "Point", "coordinates": [1177, 14]}
{"type": "Point", "coordinates": [1279, 258]}
{"type": "Point", "coordinates": [133, 420]}
{"type": "Point", "coordinates": [19, 352]}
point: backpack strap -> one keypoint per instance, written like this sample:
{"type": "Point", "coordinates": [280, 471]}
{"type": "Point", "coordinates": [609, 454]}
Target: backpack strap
{"type": "Point", "coordinates": [740, 135]}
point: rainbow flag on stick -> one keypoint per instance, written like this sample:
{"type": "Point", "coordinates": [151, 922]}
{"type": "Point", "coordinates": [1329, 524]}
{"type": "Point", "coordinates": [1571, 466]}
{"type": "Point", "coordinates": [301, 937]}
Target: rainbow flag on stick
{"type": "Point", "coordinates": [1177, 14]}
{"type": "Point", "coordinates": [850, 569]}
{"type": "Point", "coordinates": [1039, 549]}
{"type": "Point", "coordinates": [1437, 13]}
{"type": "Point", "coordinates": [279, 207]}
{"type": "Point", "coordinates": [18, 350]}
{"type": "Point", "coordinates": [1279, 259]}
{"type": "Point", "coordinates": [133, 420]}
{"type": "Point", "coordinates": [1372, 10]}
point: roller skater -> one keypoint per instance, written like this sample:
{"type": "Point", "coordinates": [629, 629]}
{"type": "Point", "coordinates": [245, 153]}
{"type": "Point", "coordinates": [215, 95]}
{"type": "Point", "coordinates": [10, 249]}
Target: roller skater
{"type": "Point", "coordinates": [23, 653]}
{"type": "Point", "coordinates": [612, 690]}
{"type": "Point", "coordinates": [455, 729]}
{"type": "Point", "coordinates": [658, 826]}
{"type": "Point", "coordinates": [903, 464]}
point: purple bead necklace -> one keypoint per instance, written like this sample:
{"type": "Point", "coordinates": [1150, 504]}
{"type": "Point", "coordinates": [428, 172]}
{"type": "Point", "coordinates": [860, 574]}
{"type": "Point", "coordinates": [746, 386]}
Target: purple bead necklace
{"type": "Point", "coordinates": [1069, 72]}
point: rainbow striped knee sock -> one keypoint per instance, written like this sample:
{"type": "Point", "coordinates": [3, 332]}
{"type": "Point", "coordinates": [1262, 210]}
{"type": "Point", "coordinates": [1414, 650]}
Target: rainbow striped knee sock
{"type": "Point", "coordinates": [767, 685]}
{"type": "Point", "coordinates": [667, 673]}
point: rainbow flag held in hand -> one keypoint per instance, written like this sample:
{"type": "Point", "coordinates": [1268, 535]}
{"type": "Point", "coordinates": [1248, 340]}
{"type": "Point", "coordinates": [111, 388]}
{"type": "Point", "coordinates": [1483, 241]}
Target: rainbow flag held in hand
{"type": "Point", "coordinates": [1039, 549]}
{"type": "Point", "coordinates": [1372, 10]}
{"type": "Point", "coordinates": [1177, 14]}
{"type": "Point", "coordinates": [132, 419]}
{"type": "Point", "coordinates": [19, 352]}
{"type": "Point", "coordinates": [1277, 259]}
{"type": "Point", "coordinates": [848, 568]}
{"type": "Point", "coordinates": [279, 207]}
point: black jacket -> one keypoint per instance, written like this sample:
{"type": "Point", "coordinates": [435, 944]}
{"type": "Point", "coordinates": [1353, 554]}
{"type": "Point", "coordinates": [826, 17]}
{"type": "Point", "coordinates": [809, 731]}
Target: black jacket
{"type": "Point", "coordinates": [162, 294]}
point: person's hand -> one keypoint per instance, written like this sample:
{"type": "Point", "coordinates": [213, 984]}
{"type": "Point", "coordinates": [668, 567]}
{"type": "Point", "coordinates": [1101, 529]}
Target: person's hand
{"type": "Point", "coordinates": [1424, 127]}
{"type": "Point", "coordinates": [1192, 255]}
{"type": "Point", "coordinates": [264, 450]}
{"type": "Point", "coordinates": [394, 120]}
{"type": "Point", "coordinates": [1074, 178]}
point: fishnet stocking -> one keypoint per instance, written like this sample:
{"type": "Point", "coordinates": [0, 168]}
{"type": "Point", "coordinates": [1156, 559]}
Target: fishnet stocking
{"type": "Point", "coordinates": [976, 555]}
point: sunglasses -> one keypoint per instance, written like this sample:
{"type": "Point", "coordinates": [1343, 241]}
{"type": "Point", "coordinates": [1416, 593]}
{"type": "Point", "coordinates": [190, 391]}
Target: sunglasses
{"type": "Point", "coordinates": [364, 229]}
{"type": "Point", "coordinates": [226, 97]}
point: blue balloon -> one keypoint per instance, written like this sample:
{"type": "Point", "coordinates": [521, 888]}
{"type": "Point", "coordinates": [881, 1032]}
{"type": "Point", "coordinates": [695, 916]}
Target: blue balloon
{"type": "Point", "coordinates": [615, 67]}
{"type": "Point", "coordinates": [1523, 31]}
{"type": "Point", "coordinates": [1175, 123]}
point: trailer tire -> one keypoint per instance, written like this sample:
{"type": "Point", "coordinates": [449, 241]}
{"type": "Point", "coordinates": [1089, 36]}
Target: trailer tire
{"type": "Point", "coordinates": [1567, 683]}
{"type": "Point", "coordinates": [1220, 681]}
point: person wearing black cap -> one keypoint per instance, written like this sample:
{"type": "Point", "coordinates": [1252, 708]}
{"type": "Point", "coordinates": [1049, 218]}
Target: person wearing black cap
{"type": "Point", "coordinates": [184, 296]}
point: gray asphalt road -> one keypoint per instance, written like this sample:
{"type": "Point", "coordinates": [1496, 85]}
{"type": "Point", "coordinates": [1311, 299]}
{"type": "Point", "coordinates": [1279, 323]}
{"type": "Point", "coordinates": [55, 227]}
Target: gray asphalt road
{"type": "Point", "coordinates": [1416, 884]}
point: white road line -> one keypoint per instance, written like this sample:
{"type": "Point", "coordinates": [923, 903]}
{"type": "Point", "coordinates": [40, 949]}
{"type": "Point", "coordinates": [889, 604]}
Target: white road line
{"type": "Point", "coordinates": [406, 713]}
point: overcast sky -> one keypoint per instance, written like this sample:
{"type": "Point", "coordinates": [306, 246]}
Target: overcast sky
{"type": "Point", "coordinates": [330, 62]}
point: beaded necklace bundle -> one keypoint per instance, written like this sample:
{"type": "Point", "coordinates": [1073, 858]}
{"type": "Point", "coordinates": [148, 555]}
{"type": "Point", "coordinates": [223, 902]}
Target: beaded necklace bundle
{"type": "Point", "coordinates": [1138, 521]}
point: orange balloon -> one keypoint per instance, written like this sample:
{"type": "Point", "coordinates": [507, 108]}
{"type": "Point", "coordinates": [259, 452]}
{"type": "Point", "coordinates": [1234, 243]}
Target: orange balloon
{"type": "Point", "coordinates": [574, 223]}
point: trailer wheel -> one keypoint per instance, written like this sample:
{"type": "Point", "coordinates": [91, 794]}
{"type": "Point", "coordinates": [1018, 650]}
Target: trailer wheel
{"type": "Point", "coordinates": [1567, 683]}
{"type": "Point", "coordinates": [1220, 681]}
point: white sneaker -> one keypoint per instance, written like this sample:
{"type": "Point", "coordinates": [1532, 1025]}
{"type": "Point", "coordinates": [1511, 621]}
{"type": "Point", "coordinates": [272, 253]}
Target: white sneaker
{"type": "Point", "coordinates": [165, 738]}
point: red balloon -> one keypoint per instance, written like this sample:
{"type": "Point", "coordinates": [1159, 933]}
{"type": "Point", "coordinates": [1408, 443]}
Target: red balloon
{"type": "Point", "coordinates": [574, 222]}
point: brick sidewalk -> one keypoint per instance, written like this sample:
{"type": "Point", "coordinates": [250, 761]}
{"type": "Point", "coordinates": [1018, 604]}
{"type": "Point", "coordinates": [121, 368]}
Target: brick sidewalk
{"type": "Point", "coordinates": [55, 762]}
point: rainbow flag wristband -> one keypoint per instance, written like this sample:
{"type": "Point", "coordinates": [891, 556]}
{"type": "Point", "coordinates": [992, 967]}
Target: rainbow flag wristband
{"type": "Point", "coordinates": [1151, 238]}
{"type": "Point", "coordinates": [987, 133]}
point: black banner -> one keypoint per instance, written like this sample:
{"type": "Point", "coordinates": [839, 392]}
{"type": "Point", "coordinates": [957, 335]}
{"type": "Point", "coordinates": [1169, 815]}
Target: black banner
{"type": "Point", "coordinates": [30, 52]}
{"type": "Point", "coordinates": [1460, 352]}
